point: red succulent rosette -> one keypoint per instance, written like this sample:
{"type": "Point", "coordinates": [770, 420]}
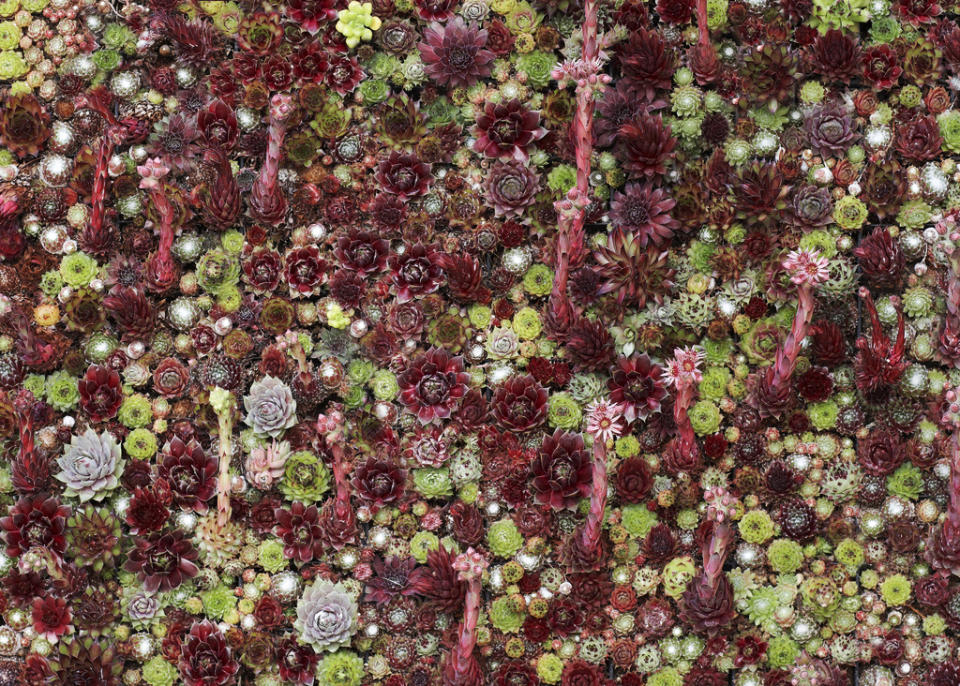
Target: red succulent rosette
{"type": "Point", "coordinates": [304, 269]}
{"type": "Point", "coordinates": [506, 130]}
{"type": "Point", "coordinates": [100, 393]}
{"type": "Point", "coordinates": [562, 471]}
{"type": "Point", "coordinates": [190, 473]}
{"type": "Point", "coordinates": [379, 481]}
{"type": "Point", "coordinates": [35, 521]}
{"type": "Point", "coordinates": [416, 272]}
{"type": "Point", "coordinates": [520, 404]}
{"type": "Point", "coordinates": [163, 560]}
{"type": "Point", "coordinates": [433, 383]}
{"type": "Point", "coordinates": [205, 659]}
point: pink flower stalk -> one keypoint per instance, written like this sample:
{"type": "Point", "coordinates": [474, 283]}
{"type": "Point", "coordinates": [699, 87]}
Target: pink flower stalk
{"type": "Point", "coordinates": [267, 202]}
{"type": "Point", "coordinates": [943, 545]}
{"type": "Point", "coordinates": [807, 270]}
{"type": "Point", "coordinates": [590, 534]}
{"type": "Point", "coordinates": [721, 507]}
{"type": "Point", "coordinates": [100, 100]}
{"type": "Point", "coordinates": [703, 28]}
{"type": "Point", "coordinates": [332, 425]}
{"type": "Point", "coordinates": [953, 512]}
{"type": "Point", "coordinates": [99, 193]}
{"type": "Point", "coordinates": [461, 667]}
{"type": "Point", "coordinates": [31, 470]}
{"type": "Point", "coordinates": [161, 269]}
{"type": "Point", "coordinates": [950, 336]}
{"type": "Point", "coordinates": [570, 236]}
{"type": "Point", "coordinates": [708, 601]}
{"type": "Point", "coordinates": [224, 404]}
{"type": "Point", "coordinates": [683, 371]}
{"type": "Point", "coordinates": [604, 423]}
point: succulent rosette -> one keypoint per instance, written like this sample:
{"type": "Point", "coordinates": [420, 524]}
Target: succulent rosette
{"type": "Point", "coordinates": [90, 466]}
{"type": "Point", "coordinates": [270, 406]}
{"type": "Point", "coordinates": [326, 616]}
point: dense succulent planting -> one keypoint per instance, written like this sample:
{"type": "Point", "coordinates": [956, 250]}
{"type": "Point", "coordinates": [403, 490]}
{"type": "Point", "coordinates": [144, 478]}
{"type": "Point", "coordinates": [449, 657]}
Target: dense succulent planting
{"type": "Point", "coordinates": [480, 342]}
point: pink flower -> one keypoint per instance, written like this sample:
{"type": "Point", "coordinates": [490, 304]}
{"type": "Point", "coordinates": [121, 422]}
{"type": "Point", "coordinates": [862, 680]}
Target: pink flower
{"type": "Point", "coordinates": [281, 106]}
{"type": "Point", "coordinates": [330, 422]}
{"type": "Point", "coordinates": [807, 267]}
{"type": "Point", "coordinates": [604, 420]}
{"type": "Point", "coordinates": [151, 172]}
{"type": "Point", "coordinates": [470, 565]}
{"type": "Point", "coordinates": [684, 368]}
{"type": "Point", "coordinates": [720, 504]}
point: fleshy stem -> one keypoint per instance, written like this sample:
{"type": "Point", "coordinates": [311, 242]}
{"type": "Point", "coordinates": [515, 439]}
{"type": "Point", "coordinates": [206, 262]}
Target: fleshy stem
{"type": "Point", "coordinates": [161, 267]}
{"type": "Point", "coordinates": [598, 497]}
{"type": "Point", "coordinates": [943, 546]}
{"type": "Point", "coordinates": [703, 28]}
{"type": "Point", "coordinates": [720, 507]}
{"type": "Point", "coordinates": [165, 270]}
{"type": "Point", "coordinates": [953, 514]}
{"type": "Point", "coordinates": [808, 269]}
{"type": "Point", "coordinates": [100, 175]}
{"type": "Point", "coordinates": [572, 210]}
{"type": "Point", "coordinates": [331, 427]}
{"type": "Point", "coordinates": [686, 439]}
{"type": "Point", "coordinates": [683, 372]}
{"type": "Point", "coordinates": [951, 420]}
{"type": "Point", "coordinates": [461, 668]}
{"type": "Point", "coordinates": [223, 403]}
{"type": "Point", "coordinates": [31, 469]}
{"type": "Point", "coordinates": [100, 100]}
{"type": "Point", "coordinates": [604, 424]}
{"type": "Point", "coordinates": [22, 405]}
{"type": "Point", "coordinates": [787, 354]}
{"type": "Point", "coordinates": [950, 336]}
{"type": "Point", "coordinates": [265, 193]}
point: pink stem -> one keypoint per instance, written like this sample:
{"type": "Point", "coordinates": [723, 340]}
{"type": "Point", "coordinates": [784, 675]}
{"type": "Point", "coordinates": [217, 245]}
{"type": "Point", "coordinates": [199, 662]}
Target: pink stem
{"type": "Point", "coordinates": [585, 104]}
{"type": "Point", "coordinates": [23, 404]}
{"type": "Point", "coordinates": [164, 270]}
{"type": "Point", "coordinates": [224, 486]}
{"type": "Point", "coordinates": [31, 470]}
{"type": "Point", "coordinates": [462, 661]}
{"type": "Point", "coordinates": [265, 193]}
{"type": "Point", "coordinates": [570, 230]}
{"type": "Point", "coordinates": [786, 360]}
{"type": "Point", "coordinates": [101, 173]}
{"type": "Point", "coordinates": [598, 498]}
{"type": "Point", "coordinates": [681, 406]}
{"type": "Point", "coordinates": [702, 27]}
{"type": "Point", "coordinates": [339, 475]}
{"type": "Point", "coordinates": [953, 513]}
{"type": "Point", "coordinates": [715, 551]}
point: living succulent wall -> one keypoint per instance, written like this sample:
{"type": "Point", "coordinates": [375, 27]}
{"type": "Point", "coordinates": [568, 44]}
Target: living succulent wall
{"type": "Point", "coordinates": [480, 343]}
